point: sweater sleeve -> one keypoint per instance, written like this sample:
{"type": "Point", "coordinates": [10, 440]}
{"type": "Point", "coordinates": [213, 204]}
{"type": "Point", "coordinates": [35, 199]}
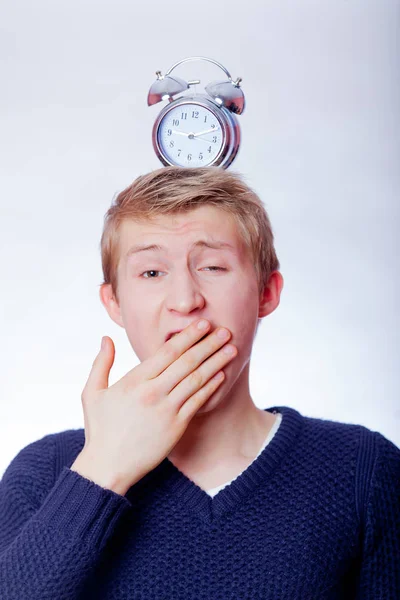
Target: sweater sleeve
{"type": "Point", "coordinates": [380, 564]}
{"type": "Point", "coordinates": [49, 545]}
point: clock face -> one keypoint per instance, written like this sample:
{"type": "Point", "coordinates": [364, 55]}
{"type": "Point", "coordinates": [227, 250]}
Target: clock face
{"type": "Point", "coordinates": [190, 135]}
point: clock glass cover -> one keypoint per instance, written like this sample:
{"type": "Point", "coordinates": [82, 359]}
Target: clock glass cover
{"type": "Point", "coordinates": [190, 135]}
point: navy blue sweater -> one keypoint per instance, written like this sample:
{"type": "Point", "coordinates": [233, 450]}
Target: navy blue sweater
{"type": "Point", "coordinates": [315, 516]}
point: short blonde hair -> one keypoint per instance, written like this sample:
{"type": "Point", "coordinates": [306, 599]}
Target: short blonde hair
{"type": "Point", "coordinates": [172, 190]}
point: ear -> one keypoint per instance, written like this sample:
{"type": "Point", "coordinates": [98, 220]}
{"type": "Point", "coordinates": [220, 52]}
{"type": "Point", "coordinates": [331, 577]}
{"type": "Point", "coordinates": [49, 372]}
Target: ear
{"type": "Point", "coordinates": [110, 303]}
{"type": "Point", "coordinates": [270, 297]}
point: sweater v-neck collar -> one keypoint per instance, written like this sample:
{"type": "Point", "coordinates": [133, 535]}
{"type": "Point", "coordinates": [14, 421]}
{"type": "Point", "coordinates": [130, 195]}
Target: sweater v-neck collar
{"type": "Point", "coordinates": [209, 508]}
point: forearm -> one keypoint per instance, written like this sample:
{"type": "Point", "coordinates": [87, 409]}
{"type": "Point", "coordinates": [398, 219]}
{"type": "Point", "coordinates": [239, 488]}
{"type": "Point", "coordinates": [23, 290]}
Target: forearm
{"type": "Point", "coordinates": [54, 552]}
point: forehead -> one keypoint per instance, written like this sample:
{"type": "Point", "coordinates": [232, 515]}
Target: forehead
{"type": "Point", "coordinates": [205, 222]}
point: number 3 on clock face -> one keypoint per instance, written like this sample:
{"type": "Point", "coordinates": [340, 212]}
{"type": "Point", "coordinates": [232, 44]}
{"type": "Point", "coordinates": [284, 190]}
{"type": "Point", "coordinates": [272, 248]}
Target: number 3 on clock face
{"type": "Point", "coordinates": [190, 135]}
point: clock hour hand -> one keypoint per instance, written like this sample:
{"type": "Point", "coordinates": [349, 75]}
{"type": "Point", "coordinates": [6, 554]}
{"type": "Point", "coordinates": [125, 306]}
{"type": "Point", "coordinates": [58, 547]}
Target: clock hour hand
{"type": "Point", "coordinates": [180, 133]}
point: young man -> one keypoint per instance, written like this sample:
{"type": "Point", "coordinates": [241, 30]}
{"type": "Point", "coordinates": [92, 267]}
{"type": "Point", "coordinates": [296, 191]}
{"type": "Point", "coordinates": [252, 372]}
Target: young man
{"type": "Point", "coordinates": [179, 487]}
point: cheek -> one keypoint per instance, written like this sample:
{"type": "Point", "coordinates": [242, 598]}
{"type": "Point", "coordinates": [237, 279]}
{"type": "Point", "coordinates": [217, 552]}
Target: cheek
{"type": "Point", "coordinates": [139, 327]}
{"type": "Point", "coordinates": [246, 313]}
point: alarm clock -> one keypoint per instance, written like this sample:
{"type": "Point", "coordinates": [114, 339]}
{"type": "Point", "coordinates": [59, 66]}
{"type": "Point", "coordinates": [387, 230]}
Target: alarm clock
{"type": "Point", "coordinates": [198, 130]}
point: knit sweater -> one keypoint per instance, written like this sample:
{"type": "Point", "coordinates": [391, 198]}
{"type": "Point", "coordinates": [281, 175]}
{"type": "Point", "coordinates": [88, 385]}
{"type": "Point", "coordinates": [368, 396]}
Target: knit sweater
{"type": "Point", "coordinates": [214, 491]}
{"type": "Point", "coordinates": [315, 516]}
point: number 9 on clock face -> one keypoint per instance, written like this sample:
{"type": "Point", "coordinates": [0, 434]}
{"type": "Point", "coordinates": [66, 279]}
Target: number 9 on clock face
{"type": "Point", "coordinates": [190, 135]}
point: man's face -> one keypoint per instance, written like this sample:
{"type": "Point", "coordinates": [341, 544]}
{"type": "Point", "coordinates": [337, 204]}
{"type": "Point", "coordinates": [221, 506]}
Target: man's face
{"type": "Point", "coordinates": [165, 290]}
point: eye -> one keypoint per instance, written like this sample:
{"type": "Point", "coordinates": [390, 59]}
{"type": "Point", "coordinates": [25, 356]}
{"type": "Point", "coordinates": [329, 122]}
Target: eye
{"type": "Point", "coordinates": [155, 271]}
{"type": "Point", "coordinates": [150, 271]}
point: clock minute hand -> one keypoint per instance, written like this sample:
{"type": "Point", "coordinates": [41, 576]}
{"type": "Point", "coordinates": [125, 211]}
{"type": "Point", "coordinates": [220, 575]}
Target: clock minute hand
{"type": "Point", "coordinates": [206, 131]}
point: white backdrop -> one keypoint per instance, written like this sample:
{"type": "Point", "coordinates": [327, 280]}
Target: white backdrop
{"type": "Point", "coordinates": [320, 145]}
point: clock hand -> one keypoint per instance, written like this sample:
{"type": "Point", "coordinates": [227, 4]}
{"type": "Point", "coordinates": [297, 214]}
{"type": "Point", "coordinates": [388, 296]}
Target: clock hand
{"type": "Point", "coordinates": [204, 140]}
{"type": "Point", "coordinates": [180, 132]}
{"type": "Point", "coordinates": [194, 135]}
{"type": "Point", "coordinates": [206, 131]}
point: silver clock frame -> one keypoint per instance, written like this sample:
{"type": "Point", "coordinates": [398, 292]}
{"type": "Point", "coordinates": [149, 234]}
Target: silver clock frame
{"type": "Point", "coordinates": [225, 99]}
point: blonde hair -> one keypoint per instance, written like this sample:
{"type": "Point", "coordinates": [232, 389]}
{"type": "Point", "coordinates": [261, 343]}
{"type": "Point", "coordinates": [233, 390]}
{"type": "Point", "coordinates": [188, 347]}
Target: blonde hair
{"type": "Point", "coordinates": [172, 190]}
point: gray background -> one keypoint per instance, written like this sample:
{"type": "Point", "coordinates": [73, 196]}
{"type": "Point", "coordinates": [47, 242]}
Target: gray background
{"type": "Point", "coordinates": [320, 146]}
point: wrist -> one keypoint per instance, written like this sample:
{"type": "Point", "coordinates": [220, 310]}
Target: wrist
{"type": "Point", "coordinates": [88, 468]}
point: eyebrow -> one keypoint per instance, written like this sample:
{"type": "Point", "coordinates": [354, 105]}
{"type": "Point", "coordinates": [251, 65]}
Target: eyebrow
{"type": "Point", "coordinates": [214, 244]}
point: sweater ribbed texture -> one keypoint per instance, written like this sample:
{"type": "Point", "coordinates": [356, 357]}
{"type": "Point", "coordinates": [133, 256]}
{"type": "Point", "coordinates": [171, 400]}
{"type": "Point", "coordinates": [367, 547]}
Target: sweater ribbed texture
{"type": "Point", "coordinates": [316, 516]}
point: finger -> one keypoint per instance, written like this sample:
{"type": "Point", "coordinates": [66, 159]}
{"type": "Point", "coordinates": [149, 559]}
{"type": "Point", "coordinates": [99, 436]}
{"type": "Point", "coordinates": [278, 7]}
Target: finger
{"type": "Point", "coordinates": [190, 361]}
{"type": "Point", "coordinates": [192, 404]}
{"type": "Point", "coordinates": [99, 374]}
{"type": "Point", "coordinates": [172, 350]}
{"type": "Point", "coordinates": [200, 378]}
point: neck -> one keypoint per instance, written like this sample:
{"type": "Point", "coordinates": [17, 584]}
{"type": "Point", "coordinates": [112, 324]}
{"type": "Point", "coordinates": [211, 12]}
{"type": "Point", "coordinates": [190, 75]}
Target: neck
{"type": "Point", "coordinates": [232, 431]}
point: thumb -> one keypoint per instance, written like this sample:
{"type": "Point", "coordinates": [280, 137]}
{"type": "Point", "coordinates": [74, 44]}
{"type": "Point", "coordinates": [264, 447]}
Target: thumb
{"type": "Point", "coordinates": [98, 377]}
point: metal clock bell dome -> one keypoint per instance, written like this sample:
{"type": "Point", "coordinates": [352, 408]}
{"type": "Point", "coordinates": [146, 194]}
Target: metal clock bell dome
{"type": "Point", "coordinates": [196, 130]}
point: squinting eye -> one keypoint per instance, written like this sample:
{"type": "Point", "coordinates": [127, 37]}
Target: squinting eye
{"type": "Point", "coordinates": [154, 271]}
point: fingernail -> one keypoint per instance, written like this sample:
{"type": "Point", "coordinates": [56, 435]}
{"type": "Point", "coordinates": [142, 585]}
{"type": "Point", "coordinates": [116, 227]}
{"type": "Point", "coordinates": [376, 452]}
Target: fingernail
{"type": "Point", "coordinates": [103, 343]}
{"type": "Point", "coordinates": [229, 349]}
{"type": "Point", "coordinates": [223, 334]}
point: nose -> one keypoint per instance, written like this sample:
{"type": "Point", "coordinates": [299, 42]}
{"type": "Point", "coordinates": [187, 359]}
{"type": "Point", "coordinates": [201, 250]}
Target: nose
{"type": "Point", "coordinates": [184, 295]}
